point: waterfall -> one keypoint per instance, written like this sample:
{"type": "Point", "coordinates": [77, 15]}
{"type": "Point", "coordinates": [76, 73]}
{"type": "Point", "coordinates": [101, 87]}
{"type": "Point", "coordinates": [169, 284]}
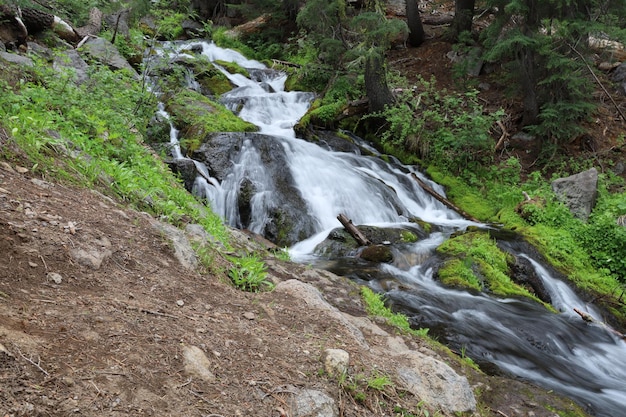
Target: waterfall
{"type": "Point", "coordinates": [556, 350]}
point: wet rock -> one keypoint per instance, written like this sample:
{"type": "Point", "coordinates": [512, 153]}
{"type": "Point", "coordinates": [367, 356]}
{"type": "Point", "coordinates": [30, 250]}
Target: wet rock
{"type": "Point", "coordinates": [377, 253]}
{"type": "Point", "coordinates": [258, 165]}
{"type": "Point", "coordinates": [578, 192]}
{"type": "Point", "coordinates": [313, 403]}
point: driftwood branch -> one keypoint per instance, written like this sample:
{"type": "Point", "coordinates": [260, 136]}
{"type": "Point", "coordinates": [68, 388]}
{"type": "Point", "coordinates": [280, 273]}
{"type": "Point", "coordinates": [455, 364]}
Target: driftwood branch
{"type": "Point", "coordinates": [354, 232]}
{"type": "Point", "coordinates": [589, 319]}
{"type": "Point", "coordinates": [442, 199]}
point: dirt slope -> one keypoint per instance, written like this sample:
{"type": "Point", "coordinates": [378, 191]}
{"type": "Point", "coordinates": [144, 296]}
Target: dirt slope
{"type": "Point", "coordinates": [97, 315]}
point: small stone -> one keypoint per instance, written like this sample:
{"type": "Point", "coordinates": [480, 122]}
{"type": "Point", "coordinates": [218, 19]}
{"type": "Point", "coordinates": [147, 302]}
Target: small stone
{"type": "Point", "coordinates": [21, 170]}
{"type": "Point", "coordinates": [3, 191]}
{"type": "Point", "coordinates": [5, 166]}
{"type": "Point", "coordinates": [249, 315]}
{"type": "Point", "coordinates": [180, 303]}
{"type": "Point", "coordinates": [32, 264]}
{"type": "Point", "coordinates": [336, 361]}
{"type": "Point", "coordinates": [56, 278]}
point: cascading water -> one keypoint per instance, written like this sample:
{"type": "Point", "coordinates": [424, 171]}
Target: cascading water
{"type": "Point", "coordinates": [558, 351]}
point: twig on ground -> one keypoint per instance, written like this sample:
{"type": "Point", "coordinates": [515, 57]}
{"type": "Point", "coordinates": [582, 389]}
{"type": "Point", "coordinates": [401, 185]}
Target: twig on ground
{"type": "Point", "coordinates": [147, 311]}
{"type": "Point", "coordinates": [36, 365]}
{"type": "Point", "coordinates": [187, 382]}
{"type": "Point", "coordinates": [203, 399]}
{"type": "Point", "coordinates": [44, 262]}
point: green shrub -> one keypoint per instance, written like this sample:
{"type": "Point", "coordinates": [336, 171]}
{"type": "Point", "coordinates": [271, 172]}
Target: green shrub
{"type": "Point", "coordinates": [249, 273]}
{"type": "Point", "coordinates": [97, 129]}
{"type": "Point", "coordinates": [449, 130]}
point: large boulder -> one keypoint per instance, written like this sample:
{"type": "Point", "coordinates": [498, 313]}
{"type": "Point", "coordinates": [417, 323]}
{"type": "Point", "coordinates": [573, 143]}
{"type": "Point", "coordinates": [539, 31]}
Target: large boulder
{"type": "Point", "coordinates": [255, 167]}
{"type": "Point", "coordinates": [103, 51]}
{"type": "Point", "coordinates": [578, 192]}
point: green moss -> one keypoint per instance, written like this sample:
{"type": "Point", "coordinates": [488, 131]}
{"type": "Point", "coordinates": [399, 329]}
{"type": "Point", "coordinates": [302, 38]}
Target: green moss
{"type": "Point", "coordinates": [458, 273]}
{"type": "Point", "coordinates": [233, 68]}
{"type": "Point", "coordinates": [198, 116]}
{"type": "Point", "coordinates": [475, 261]}
{"type": "Point", "coordinates": [465, 197]}
{"type": "Point", "coordinates": [212, 79]}
{"type": "Point", "coordinates": [408, 236]}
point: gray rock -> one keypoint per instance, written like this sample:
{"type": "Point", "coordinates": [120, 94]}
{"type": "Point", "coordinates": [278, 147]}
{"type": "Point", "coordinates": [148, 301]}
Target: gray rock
{"type": "Point", "coordinates": [93, 254]}
{"type": "Point", "coordinates": [71, 60]}
{"type": "Point", "coordinates": [313, 299]}
{"type": "Point", "coordinates": [197, 364]}
{"type": "Point", "coordinates": [310, 403]}
{"type": "Point", "coordinates": [336, 361]}
{"type": "Point", "coordinates": [16, 59]}
{"type": "Point", "coordinates": [578, 192]}
{"type": "Point", "coordinates": [435, 383]}
{"type": "Point", "coordinates": [54, 277]}
{"type": "Point", "coordinates": [106, 53]}
{"type": "Point", "coordinates": [183, 251]}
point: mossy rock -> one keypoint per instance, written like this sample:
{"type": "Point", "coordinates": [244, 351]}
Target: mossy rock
{"type": "Point", "coordinates": [197, 116]}
{"type": "Point", "coordinates": [212, 80]}
{"type": "Point", "coordinates": [233, 68]}
{"type": "Point", "coordinates": [474, 261]}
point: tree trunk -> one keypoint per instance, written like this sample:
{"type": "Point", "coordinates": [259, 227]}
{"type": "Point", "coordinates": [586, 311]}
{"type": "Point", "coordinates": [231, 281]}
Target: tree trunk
{"type": "Point", "coordinates": [528, 71]}
{"type": "Point", "coordinates": [463, 15]}
{"type": "Point", "coordinates": [290, 7]}
{"type": "Point", "coordinates": [414, 22]}
{"type": "Point", "coordinates": [354, 232]}
{"type": "Point", "coordinates": [208, 9]}
{"type": "Point", "coordinates": [376, 86]}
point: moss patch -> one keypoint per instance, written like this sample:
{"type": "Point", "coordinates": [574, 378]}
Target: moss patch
{"type": "Point", "coordinates": [475, 261]}
{"type": "Point", "coordinates": [197, 116]}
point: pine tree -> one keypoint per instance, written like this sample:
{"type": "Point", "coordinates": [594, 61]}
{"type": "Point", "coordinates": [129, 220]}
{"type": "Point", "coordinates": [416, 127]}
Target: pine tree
{"type": "Point", "coordinates": [542, 41]}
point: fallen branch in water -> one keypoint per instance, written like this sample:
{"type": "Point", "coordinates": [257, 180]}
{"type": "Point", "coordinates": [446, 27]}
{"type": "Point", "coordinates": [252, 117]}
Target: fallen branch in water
{"type": "Point", "coordinates": [589, 319]}
{"type": "Point", "coordinates": [354, 232]}
{"type": "Point", "coordinates": [442, 199]}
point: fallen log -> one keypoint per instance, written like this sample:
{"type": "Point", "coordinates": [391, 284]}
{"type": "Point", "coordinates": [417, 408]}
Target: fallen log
{"type": "Point", "coordinates": [442, 199]}
{"type": "Point", "coordinates": [589, 319]}
{"type": "Point", "coordinates": [354, 232]}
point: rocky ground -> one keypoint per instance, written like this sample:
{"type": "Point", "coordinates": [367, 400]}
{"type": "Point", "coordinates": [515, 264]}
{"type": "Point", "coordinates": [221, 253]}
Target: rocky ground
{"type": "Point", "coordinates": [99, 317]}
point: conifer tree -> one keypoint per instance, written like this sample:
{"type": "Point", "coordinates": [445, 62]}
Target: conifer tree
{"type": "Point", "coordinates": [542, 41]}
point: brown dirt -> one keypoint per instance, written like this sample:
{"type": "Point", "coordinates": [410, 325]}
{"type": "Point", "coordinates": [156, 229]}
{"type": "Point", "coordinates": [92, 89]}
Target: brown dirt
{"type": "Point", "coordinates": [110, 341]}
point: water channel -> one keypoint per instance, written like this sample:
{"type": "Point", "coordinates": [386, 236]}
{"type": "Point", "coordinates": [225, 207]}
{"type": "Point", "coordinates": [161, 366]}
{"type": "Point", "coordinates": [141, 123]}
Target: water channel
{"type": "Point", "coordinates": [515, 336]}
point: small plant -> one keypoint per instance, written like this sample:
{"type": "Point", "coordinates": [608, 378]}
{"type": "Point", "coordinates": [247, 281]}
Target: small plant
{"type": "Point", "coordinates": [283, 254]}
{"type": "Point", "coordinates": [376, 307]}
{"type": "Point", "coordinates": [379, 382]}
{"type": "Point", "coordinates": [249, 274]}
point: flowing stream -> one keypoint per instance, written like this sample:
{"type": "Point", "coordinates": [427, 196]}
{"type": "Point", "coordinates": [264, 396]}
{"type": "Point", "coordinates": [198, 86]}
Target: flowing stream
{"type": "Point", "coordinates": [586, 362]}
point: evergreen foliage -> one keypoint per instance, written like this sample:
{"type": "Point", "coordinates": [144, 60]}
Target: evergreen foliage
{"type": "Point", "coordinates": [539, 41]}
